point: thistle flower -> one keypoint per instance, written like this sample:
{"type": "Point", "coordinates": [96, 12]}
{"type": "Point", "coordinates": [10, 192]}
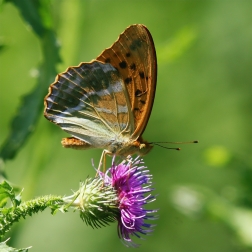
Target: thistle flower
{"type": "Point", "coordinates": [119, 195]}
{"type": "Point", "coordinates": [132, 182]}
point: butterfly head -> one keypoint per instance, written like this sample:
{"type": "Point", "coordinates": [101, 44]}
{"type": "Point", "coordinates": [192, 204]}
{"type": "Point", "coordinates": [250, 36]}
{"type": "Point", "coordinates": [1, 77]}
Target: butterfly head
{"type": "Point", "coordinates": [143, 147]}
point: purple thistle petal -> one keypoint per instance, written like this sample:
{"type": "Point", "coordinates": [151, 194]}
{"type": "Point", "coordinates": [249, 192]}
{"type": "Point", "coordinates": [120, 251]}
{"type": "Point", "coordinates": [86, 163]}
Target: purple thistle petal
{"type": "Point", "coordinates": [132, 181]}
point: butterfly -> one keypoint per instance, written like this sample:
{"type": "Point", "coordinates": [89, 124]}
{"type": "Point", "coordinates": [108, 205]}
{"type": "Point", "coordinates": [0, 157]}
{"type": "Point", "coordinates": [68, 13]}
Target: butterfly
{"type": "Point", "coordinates": [106, 103]}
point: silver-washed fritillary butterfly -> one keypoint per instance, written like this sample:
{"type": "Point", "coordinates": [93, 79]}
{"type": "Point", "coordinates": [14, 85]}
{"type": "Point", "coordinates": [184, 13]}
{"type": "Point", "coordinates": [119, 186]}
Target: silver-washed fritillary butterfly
{"type": "Point", "coordinates": [106, 103]}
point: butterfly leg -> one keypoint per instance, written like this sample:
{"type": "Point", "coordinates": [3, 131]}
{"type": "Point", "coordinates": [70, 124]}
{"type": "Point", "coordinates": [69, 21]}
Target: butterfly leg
{"type": "Point", "coordinates": [102, 161]}
{"type": "Point", "coordinates": [129, 160]}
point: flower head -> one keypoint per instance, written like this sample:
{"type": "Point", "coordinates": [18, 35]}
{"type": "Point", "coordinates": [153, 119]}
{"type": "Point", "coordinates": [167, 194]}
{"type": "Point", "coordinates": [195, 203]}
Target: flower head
{"type": "Point", "coordinates": [132, 182]}
{"type": "Point", "coordinates": [117, 195]}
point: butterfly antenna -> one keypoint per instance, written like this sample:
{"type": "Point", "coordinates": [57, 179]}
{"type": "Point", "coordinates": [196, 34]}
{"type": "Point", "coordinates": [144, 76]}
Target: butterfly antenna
{"type": "Point", "coordinates": [165, 147]}
{"type": "Point", "coordinates": [159, 144]}
{"type": "Point", "coordinates": [195, 141]}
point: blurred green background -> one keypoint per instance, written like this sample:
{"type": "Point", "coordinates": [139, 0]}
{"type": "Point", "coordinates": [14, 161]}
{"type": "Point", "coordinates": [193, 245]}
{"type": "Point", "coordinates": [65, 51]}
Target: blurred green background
{"type": "Point", "coordinates": [204, 92]}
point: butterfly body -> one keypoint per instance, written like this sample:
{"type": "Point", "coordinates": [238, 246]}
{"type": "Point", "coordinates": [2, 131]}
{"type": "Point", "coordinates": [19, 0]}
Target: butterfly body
{"type": "Point", "coordinates": [106, 103]}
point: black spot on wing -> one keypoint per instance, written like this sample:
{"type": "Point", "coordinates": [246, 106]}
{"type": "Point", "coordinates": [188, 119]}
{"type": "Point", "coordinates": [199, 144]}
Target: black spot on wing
{"type": "Point", "coordinates": [138, 93]}
{"type": "Point", "coordinates": [123, 64]}
{"type": "Point", "coordinates": [141, 74]}
{"type": "Point", "coordinates": [133, 66]}
{"type": "Point", "coordinates": [128, 80]}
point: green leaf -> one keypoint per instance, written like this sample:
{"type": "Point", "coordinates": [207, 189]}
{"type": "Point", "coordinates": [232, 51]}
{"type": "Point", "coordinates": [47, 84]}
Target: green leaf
{"type": "Point", "coordinates": [25, 121]}
{"type": "Point", "coordinates": [35, 13]}
{"type": "Point", "coordinates": [5, 248]}
{"type": "Point", "coordinates": [6, 192]}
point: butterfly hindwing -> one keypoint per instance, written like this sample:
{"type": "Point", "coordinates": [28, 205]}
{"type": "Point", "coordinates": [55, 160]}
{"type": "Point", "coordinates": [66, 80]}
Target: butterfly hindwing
{"type": "Point", "coordinates": [89, 102]}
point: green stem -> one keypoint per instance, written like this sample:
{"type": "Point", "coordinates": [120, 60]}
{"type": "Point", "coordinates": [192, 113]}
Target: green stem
{"type": "Point", "coordinates": [13, 214]}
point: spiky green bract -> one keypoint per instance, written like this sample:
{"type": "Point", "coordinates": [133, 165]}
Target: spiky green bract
{"type": "Point", "coordinates": [97, 202]}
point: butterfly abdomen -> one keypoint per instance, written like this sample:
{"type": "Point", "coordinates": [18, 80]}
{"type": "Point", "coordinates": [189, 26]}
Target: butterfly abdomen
{"type": "Point", "coordinates": [74, 143]}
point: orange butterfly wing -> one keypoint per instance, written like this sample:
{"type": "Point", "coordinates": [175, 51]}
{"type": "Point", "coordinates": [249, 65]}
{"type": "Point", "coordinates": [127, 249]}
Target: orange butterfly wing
{"type": "Point", "coordinates": [133, 54]}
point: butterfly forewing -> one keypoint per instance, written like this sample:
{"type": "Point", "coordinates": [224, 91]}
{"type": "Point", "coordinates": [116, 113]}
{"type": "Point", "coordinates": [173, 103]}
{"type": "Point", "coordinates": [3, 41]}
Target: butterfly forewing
{"type": "Point", "coordinates": [133, 54]}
